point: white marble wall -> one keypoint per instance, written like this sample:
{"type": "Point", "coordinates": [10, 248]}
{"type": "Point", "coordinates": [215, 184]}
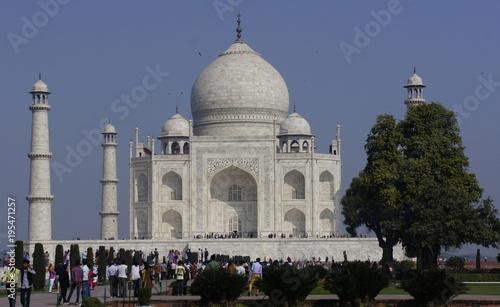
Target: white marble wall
{"type": "Point", "coordinates": [297, 249]}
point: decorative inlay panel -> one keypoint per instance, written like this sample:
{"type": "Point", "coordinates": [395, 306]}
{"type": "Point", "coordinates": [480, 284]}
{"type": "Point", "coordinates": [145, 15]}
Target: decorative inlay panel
{"type": "Point", "coordinates": [249, 164]}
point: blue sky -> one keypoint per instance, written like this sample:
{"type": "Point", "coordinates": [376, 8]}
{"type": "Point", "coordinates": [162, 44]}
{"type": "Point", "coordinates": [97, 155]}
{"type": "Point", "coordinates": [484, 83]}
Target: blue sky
{"type": "Point", "coordinates": [343, 61]}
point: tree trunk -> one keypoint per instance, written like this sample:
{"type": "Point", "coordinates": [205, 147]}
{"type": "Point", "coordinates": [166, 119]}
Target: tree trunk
{"type": "Point", "coordinates": [429, 256]}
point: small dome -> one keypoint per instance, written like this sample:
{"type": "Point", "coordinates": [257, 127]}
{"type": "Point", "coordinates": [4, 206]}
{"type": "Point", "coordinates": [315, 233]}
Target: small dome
{"type": "Point", "coordinates": [175, 126]}
{"type": "Point", "coordinates": [295, 124]}
{"type": "Point", "coordinates": [109, 129]}
{"type": "Point", "coordinates": [40, 86]}
{"type": "Point", "coordinates": [414, 80]}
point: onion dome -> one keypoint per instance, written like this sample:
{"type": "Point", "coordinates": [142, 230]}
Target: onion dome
{"type": "Point", "coordinates": [176, 126]}
{"type": "Point", "coordinates": [109, 129]}
{"type": "Point", "coordinates": [40, 86]}
{"type": "Point", "coordinates": [238, 94]}
{"type": "Point", "coordinates": [295, 124]}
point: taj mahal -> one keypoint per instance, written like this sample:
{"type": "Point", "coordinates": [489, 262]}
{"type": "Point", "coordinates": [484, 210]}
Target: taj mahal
{"type": "Point", "coordinates": [244, 167]}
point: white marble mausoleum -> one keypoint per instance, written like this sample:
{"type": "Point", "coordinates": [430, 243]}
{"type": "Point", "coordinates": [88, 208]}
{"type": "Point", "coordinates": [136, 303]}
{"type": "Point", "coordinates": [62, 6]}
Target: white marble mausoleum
{"type": "Point", "coordinates": [243, 164]}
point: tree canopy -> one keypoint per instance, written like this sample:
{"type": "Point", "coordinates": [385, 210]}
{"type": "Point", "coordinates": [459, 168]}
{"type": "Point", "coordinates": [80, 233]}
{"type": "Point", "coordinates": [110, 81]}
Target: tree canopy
{"type": "Point", "coordinates": [416, 188]}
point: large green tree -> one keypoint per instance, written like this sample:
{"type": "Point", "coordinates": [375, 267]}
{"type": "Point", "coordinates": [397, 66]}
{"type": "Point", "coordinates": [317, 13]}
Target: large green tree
{"type": "Point", "coordinates": [440, 196]}
{"type": "Point", "coordinates": [373, 199]}
{"type": "Point", "coordinates": [416, 188]}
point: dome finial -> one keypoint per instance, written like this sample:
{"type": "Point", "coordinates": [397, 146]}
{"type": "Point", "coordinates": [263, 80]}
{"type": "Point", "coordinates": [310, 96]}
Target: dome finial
{"type": "Point", "coordinates": [238, 29]}
{"type": "Point", "coordinates": [176, 109]}
{"type": "Point", "coordinates": [414, 70]}
{"type": "Point", "coordinates": [39, 76]}
{"type": "Point", "coordinates": [294, 107]}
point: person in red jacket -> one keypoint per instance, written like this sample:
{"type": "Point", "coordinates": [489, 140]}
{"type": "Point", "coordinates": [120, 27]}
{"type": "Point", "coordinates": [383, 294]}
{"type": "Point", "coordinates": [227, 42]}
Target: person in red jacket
{"type": "Point", "coordinates": [76, 278]}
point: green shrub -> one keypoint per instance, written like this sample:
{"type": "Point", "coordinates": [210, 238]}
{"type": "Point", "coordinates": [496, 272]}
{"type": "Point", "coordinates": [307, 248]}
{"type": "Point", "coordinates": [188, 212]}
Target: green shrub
{"type": "Point", "coordinates": [19, 257]}
{"type": "Point", "coordinates": [39, 267]}
{"type": "Point", "coordinates": [91, 302]}
{"type": "Point", "coordinates": [144, 296]}
{"type": "Point", "coordinates": [74, 255]}
{"type": "Point", "coordinates": [59, 254]}
{"type": "Point", "coordinates": [498, 257]}
{"type": "Point", "coordinates": [478, 260]}
{"type": "Point", "coordinates": [90, 258]}
{"type": "Point", "coordinates": [101, 269]}
{"type": "Point", "coordinates": [476, 277]}
{"type": "Point", "coordinates": [194, 257]}
{"type": "Point", "coordinates": [128, 259]}
{"type": "Point", "coordinates": [122, 255]}
{"type": "Point", "coordinates": [137, 258]}
{"type": "Point", "coordinates": [407, 265]}
{"type": "Point", "coordinates": [455, 262]}
{"type": "Point", "coordinates": [433, 288]}
{"type": "Point", "coordinates": [289, 284]}
{"type": "Point", "coordinates": [356, 283]}
{"type": "Point", "coordinates": [218, 286]}
{"type": "Point", "coordinates": [111, 255]}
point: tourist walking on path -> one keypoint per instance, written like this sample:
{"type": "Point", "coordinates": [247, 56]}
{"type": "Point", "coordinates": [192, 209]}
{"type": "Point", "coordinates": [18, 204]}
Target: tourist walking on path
{"type": "Point", "coordinates": [135, 276]}
{"type": "Point", "coordinates": [113, 279]}
{"type": "Point", "coordinates": [52, 276]}
{"type": "Point", "coordinates": [76, 278]}
{"type": "Point", "coordinates": [146, 276]}
{"type": "Point", "coordinates": [256, 274]}
{"type": "Point", "coordinates": [85, 281]}
{"type": "Point", "coordinates": [26, 280]}
{"type": "Point", "coordinates": [122, 278]}
{"type": "Point", "coordinates": [11, 278]}
{"type": "Point", "coordinates": [63, 283]}
{"type": "Point", "coordinates": [179, 276]}
{"type": "Point", "coordinates": [58, 269]}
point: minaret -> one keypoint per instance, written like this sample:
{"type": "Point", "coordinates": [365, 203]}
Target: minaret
{"type": "Point", "coordinates": [415, 88]}
{"type": "Point", "coordinates": [40, 198]}
{"type": "Point", "coordinates": [109, 212]}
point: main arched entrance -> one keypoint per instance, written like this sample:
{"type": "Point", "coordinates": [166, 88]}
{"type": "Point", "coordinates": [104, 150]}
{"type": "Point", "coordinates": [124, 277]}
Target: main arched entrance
{"type": "Point", "coordinates": [233, 203]}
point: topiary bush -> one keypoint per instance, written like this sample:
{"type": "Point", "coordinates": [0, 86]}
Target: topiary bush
{"type": "Point", "coordinates": [91, 302]}
{"type": "Point", "coordinates": [111, 255]}
{"type": "Point", "coordinates": [101, 269]}
{"type": "Point", "coordinates": [39, 267]}
{"type": "Point", "coordinates": [433, 288]}
{"type": "Point", "coordinates": [455, 262]}
{"type": "Point", "coordinates": [144, 296]}
{"type": "Point", "coordinates": [19, 254]}
{"type": "Point", "coordinates": [74, 255]}
{"type": "Point", "coordinates": [289, 284]}
{"type": "Point", "coordinates": [478, 260]}
{"type": "Point", "coordinates": [59, 254]}
{"type": "Point", "coordinates": [137, 257]}
{"type": "Point", "coordinates": [128, 259]}
{"type": "Point", "coordinates": [90, 258]}
{"type": "Point", "coordinates": [218, 286]}
{"type": "Point", "coordinates": [356, 283]}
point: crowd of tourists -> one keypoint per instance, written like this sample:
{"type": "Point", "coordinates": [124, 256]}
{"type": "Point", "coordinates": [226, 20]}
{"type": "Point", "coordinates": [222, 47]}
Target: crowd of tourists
{"type": "Point", "coordinates": [151, 269]}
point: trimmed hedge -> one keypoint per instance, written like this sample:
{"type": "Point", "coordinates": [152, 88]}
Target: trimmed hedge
{"type": "Point", "coordinates": [59, 254]}
{"type": "Point", "coordinates": [19, 258]}
{"type": "Point", "coordinates": [476, 277]}
{"type": "Point", "coordinates": [39, 267]}
{"type": "Point", "coordinates": [101, 269]}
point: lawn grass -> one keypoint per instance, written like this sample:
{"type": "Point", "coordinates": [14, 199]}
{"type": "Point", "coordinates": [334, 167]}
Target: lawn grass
{"type": "Point", "coordinates": [483, 289]}
{"type": "Point", "coordinates": [474, 289]}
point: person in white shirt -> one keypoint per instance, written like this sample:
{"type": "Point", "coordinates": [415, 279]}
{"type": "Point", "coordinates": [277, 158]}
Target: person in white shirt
{"type": "Point", "coordinates": [85, 280]}
{"type": "Point", "coordinates": [136, 278]}
{"type": "Point", "coordinates": [122, 279]}
{"type": "Point", "coordinates": [240, 269]}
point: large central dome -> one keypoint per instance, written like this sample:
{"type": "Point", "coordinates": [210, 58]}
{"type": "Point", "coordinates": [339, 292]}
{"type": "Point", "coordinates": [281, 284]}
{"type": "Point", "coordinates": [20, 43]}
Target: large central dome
{"type": "Point", "coordinates": [239, 94]}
